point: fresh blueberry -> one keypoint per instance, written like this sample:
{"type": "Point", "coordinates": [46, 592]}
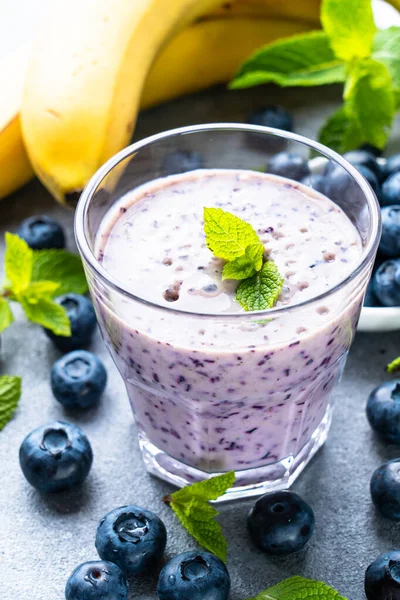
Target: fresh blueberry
{"type": "Point", "coordinates": [372, 180]}
{"type": "Point", "coordinates": [194, 575]}
{"type": "Point", "coordinates": [78, 379]}
{"type": "Point", "coordinates": [391, 190]}
{"type": "Point", "coordinates": [392, 165]}
{"type": "Point", "coordinates": [96, 580]}
{"type": "Point", "coordinates": [371, 149]}
{"type": "Point", "coordinates": [390, 240]}
{"type": "Point", "coordinates": [370, 298]}
{"type": "Point", "coordinates": [287, 164]}
{"type": "Point", "coordinates": [385, 489]}
{"type": "Point", "coordinates": [386, 283]}
{"type": "Point", "coordinates": [315, 181]}
{"type": "Point", "coordinates": [382, 577]}
{"type": "Point", "coordinates": [383, 410]}
{"type": "Point", "coordinates": [41, 233]}
{"type": "Point", "coordinates": [132, 537]}
{"type": "Point", "coordinates": [55, 457]}
{"type": "Point", "coordinates": [362, 158]}
{"type": "Point", "coordinates": [281, 522]}
{"type": "Point", "coordinates": [83, 322]}
{"type": "Point", "coordinates": [272, 116]}
{"type": "Point", "coordinates": [182, 161]}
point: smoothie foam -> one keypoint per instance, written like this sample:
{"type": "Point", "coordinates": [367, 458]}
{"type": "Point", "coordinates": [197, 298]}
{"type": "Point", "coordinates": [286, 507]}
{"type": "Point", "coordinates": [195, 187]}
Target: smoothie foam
{"type": "Point", "coordinates": [232, 391]}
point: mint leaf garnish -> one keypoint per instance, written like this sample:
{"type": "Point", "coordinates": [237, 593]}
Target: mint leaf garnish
{"type": "Point", "coordinates": [350, 27]}
{"type": "Point", "coordinates": [190, 504]}
{"type": "Point", "coordinates": [386, 50]}
{"type": "Point", "coordinates": [246, 265]}
{"type": "Point", "coordinates": [61, 267]}
{"type": "Point", "coordinates": [305, 59]}
{"type": "Point", "coordinates": [299, 588]}
{"type": "Point", "coordinates": [340, 131]}
{"type": "Point", "coordinates": [393, 366]}
{"type": "Point", "coordinates": [10, 392]}
{"type": "Point", "coordinates": [45, 312]}
{"type": "Point", "coordinates": [6, 316]}
{"type": "Point", "coordinates": [227, 236]}
{"type": "Point", "coordinates": [18, 263]}
{"type": "Point", "coordinates": [262, 290]}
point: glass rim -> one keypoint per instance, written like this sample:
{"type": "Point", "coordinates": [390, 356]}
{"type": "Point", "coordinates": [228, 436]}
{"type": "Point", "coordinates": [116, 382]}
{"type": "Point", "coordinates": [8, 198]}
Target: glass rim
{"type": "Point", "coordinates": [118, 286]}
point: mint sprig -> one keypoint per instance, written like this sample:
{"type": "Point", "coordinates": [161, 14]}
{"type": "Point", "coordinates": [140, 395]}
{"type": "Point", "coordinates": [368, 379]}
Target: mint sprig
{"type": "Point", "coordinates": [299, 588]}
{"type": "Point", "coordinates": [349, 50]}
{"type": "Point", "coordinates": [235, 241]}
{"type": "Point", "coordinates": [394, 365]}
{"type": "Point", "coordinates": [33, 278]}
{"type": "Point", "coordinates": [191, 506]}
{"type": "Point", "coordinates": [10, 392]}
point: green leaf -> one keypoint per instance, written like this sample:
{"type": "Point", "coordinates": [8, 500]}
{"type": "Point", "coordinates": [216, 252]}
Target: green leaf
{"type": "Point", "coordinates": [370, 101]}
{"type": "Point", "coordinates": [299, 588]}
{"type": "Point", "coordinates": [227, 236]}
{"type": "Point", "coordinates": [10, 393]}
{"type": "Point", "coordinates": [386, 49]}
{"type": "Point", "coordinates": [6, 316]}
{"type": "Point", "coordinates": [340, 132]}
{"type": "Point", "coordinates": [18, 262]}
{"type": "Point", "coordinates": [245, 266]}
{"type": "Point", "coordinates": [39, 289]}
{"type": "Point", "coordinates": [350, 27]}
{"type": "Point", "coordinates": [47, 313]}
{"type": "Point", "coordinates": [394, 365]}
{"type": "Point", "coordinates": [303, 60]}
{"type": "Point", "coordinates": [61, 267]}
{"type": "Point", "coordinates": [190, 504]}
{"type": "Point", "coordinates": [262, 290]}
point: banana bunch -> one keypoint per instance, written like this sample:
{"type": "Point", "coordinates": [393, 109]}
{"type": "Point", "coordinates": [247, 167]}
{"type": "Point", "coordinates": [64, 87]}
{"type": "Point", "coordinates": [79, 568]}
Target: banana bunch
{"type": "Point", "coordinates": [95, 63]}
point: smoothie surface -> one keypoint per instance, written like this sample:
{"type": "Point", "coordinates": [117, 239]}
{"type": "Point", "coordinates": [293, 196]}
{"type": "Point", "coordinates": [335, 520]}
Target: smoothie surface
{"type": "Point", "coordinates": [153, 241]}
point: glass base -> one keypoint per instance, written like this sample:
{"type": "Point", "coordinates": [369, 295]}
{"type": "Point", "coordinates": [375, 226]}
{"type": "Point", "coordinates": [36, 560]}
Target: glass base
{"type": "Point", "coordinates": [249, 482]}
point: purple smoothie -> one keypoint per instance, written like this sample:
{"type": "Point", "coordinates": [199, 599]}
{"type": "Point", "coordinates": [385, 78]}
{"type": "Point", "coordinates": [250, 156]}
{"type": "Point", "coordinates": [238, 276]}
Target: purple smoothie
{"type": "Point", "coordinates": [234, 390]}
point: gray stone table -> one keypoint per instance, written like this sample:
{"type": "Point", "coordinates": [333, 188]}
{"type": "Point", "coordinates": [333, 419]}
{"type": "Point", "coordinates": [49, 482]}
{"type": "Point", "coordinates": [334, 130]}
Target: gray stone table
{"type": "Point", "coordinates": [43, 539]}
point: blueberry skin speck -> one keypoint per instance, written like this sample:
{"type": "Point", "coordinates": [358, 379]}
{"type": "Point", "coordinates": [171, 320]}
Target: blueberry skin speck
{"type": "Point", "coordinates": [42, 233]}
{"type": "Point", "coordinates": [386, 283]}
{"type": "Point", "coordinates": [390, 240]}
{"type": "Point", "coordinates": [383, 411]}
{"type": "Point", "coordinates": [56, 456]}
{"type": "Point", "coordinates": [272, 116]}
{"type": "Point", "coordinates": [280, 522]}
{"type": "Point", "coordinates": [315, 181]}
{"type": "Point", "coordinates": [83, 322]}
{"type": "Point", "coordinates": [391, 190]}
{"type": "Point", "coordinates": [78, 379]}
{"type": "Point", "coordinates": [182, 161]}
{"type": "Point", "coordinates": [287, 164]}
{"type": "Point", "coordinates": [194, 575]}
{"type": "Point", "coordinates": [392, 165]}
{"type": "Point", "coordinates": [132, 537]}
{"type": "Point", "coordinates": [96, 580]}
{"type": "Point", "coordinates": [382, 577]}
{"type": "Point", "coordinates": [385, 489]}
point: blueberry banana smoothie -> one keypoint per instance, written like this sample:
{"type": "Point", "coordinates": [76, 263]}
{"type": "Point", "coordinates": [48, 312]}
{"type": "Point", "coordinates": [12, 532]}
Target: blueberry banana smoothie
{"type": "Point", "coordinates": [212, 387]}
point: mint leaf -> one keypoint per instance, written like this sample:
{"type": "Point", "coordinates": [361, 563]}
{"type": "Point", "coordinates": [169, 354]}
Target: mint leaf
{"type": "Point", "coordinates": [10, 392]}
{"type": "Point", "coordinates": [299, 588]}
{"type": "Point", "coordinates": [350, 27]}
{"type": "Point", "coordinates": [245, 266]}
{"type": "Point", "coordinates": [386, 49]}
{"type": "Point", "coordinates": [370, 101]}
{"type": "Point", "coordinates": [47, 313]}
{"type": "Point", "coordinates": [61, 267]}
{"type": "Point", "coordinates": [262, 290]}
{"type": "Point", "coordinates": [18, 262]}
{"type": "Point", "coordinates": [394, 365]}
{"type": "Point", "coordinates": [6, 316]}
{"type": "Point", "coordinates": [39, 289]}
{"type": "Point", "coordinates": [190, 504]}
{"type": "Point", "coordinates": [303, 60]}
{"type": "Point", "coordinates": [340, 132]}
{"type": "Point", "coordinates": [227, 236]}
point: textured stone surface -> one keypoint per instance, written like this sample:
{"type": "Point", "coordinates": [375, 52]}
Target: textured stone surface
{"type": "Point", "coordinates": [43, 539]}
